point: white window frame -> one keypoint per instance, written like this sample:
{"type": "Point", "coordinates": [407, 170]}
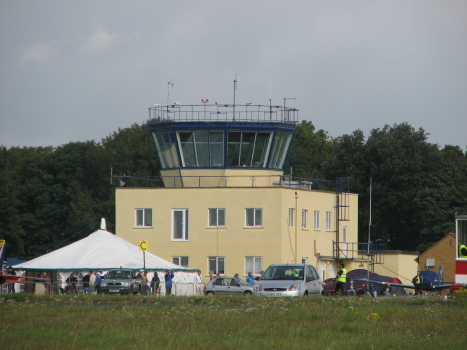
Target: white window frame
{"type": "Point", "coordinates": [216, 218]}
{"type": "Point", "coordinates": [145, 212]}
{"type": "Point", "coordinates": [218, 258]}
{"type": "Point", "coordinates": [304, 260]}
{"type": "Point", "coordinates": [253, 261]}
{"type": "Point", "coordinates": [316, 224]}
{"type": "Point", "coordinates": [305, 218]}
{"type": "Point", "coordinates": [185, 228]}
{"type": "Point", "coordinates": [291, 217]}
{"type": "Point", "coordinates": [328, 221]}
{"type": "Point", "coordinates": [255, 224]}
{"type": "Point", "coordinates": [177, 260]}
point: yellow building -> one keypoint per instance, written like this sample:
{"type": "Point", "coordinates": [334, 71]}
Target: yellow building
{"type": "Point", "coordinates": [226, 207]}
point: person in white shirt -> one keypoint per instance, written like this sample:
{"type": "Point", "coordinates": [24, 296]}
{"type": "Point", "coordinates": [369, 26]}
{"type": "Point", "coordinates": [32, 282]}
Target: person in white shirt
{"type": "Point", "coordinates": [199, 283]}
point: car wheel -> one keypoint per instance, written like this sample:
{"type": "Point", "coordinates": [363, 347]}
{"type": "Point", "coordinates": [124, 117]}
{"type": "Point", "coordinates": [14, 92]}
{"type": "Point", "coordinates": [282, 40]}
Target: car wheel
{"type": "Point", "coordinates": [248, 292]}
{"type": "Point", "coordinates": [209, 293]}
{"type": "Point", "coordinates": [305, 294]}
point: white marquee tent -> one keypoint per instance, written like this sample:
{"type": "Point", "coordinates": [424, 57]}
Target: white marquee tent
{"type": "Point", "coordinates": [103, 250]}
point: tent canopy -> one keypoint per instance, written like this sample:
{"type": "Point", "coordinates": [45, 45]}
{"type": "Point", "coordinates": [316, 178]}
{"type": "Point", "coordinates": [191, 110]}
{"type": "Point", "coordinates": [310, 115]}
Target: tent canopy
{"type": "Point", "coordinates": [100, 250]}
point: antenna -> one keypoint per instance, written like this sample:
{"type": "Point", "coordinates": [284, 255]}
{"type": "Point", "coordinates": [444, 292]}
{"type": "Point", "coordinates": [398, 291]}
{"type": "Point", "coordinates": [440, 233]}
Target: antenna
{"type": "Point", "coordinates": [169, 84]}
{"type": "Point", "coordinates": [235, 88]}
{"type": "Point", "coordinates": [369, 229]}
{"type": "Point", "coordinates": [270, 99]}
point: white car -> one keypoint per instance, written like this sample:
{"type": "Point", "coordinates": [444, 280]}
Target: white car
{"type": "Point", "coordinates": [289, 280]}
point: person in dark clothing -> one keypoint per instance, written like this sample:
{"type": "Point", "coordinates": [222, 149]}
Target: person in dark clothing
{"type": "Point", "coordinates": [417, 283]}
{"type": "Point", "coordinates": [71, 282]}
{"type": "Point", "coordinates": [11, 286]}
{"type": "Point", "coordinates": [155, 282]}
{"type": "Point", "coordinates": [86, 280]}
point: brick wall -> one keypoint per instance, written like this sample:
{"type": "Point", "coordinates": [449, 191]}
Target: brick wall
{"type": "Point", "coordinates": [444, 253]}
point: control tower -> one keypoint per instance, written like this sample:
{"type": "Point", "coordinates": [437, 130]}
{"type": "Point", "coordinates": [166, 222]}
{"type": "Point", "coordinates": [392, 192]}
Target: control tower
{"type": "Point", "coordinates": [221, 145]}
{"type": "Point", "coordinates": [226, 206]}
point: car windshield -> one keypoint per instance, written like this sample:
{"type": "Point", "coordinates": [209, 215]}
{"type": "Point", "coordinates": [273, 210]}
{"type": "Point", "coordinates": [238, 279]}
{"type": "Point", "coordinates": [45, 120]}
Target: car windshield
{"type": "Point", "coordinates": [283, 273]}
{"type": "Point", "coordinates": [118, 274]}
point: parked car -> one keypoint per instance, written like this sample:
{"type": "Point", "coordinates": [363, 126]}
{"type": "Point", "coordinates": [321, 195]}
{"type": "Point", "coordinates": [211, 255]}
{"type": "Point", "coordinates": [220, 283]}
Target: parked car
{"type": "Point", "coordinates": [289, 280]}
{"type": "Point", "coordinates": [121, 282]}
{"type": "Point", "coordinates": [228, 285]}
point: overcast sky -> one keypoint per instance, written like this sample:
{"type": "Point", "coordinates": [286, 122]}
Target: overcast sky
{"type": "Point", "coordinates": [79, 70]}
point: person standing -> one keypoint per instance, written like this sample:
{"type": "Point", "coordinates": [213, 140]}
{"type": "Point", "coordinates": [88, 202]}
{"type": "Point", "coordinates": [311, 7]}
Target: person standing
{"type": "Point", "coordinates": [11, 286]}
{"type": "Point", "coordinates": [168, 282]}
{"type": "Point", "coordinates": [92, 281]}
{"type": "Point", "coordinates": [98, 281]}
{"type": "Point", "coordinates": [250, 279]}
{"type": "Point", "coordinates": [199, 283]}
{"type": "Point", "coordinates": [144, 281]}
{"type": "Point", "coordinates": [341, 279]}
{"type": "Point", "coordinates": [417, 283]}
{"type": "Point", "coordinates": [86, 280]}
{"type": "Point", "coordinates": [155, 282]}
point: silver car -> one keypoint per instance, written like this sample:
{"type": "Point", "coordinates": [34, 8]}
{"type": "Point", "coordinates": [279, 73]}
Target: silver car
{"type": "Point", "coordinates": [121, 282]}
{"type": "Point", "coordinates": [289, 280]}
{"type": "Point", "coordinates": [228, 285]}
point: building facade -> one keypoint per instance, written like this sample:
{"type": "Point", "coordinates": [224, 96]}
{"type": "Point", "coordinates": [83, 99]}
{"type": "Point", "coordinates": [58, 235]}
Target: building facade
{"type": "Point", "coordinates": [441, 256]}
{"type": "Point", "coordinates": [226, 206]}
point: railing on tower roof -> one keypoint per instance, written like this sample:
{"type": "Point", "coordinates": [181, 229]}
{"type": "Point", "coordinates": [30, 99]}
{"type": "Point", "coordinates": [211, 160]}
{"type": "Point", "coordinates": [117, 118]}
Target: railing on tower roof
{"type": "Point", "coordinates": [229, 113]}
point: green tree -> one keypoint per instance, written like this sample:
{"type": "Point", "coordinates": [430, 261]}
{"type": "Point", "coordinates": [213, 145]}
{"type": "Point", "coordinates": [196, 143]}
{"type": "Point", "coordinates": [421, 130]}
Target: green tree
{"type": "Point", "coordinates": [309, 150]}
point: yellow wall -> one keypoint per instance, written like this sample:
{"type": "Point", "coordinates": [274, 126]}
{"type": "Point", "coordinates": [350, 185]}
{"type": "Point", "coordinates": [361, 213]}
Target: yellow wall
{"type": "Point", "coordinates": [274, 241]}
{"type": "Point", "coordinates": [402, 264]}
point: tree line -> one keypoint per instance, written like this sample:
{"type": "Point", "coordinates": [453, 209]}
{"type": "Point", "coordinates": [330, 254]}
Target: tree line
{"type": "Point", "coordinates": [52, 196]}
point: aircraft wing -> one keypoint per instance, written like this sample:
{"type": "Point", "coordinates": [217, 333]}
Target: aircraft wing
{"type": "Point", "coordinates": [411, 286]}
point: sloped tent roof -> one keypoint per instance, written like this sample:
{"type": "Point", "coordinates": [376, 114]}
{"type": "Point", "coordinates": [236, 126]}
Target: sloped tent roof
{"type": "Point", "coordinates": [100, 250]}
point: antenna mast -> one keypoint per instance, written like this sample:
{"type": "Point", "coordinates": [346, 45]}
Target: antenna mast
{"type": "Point", "coordinates": [235, 88]}
{"type": "Point", "coordinates": [369, 230]}
{"type": "Point", "coordinates": [168, 92]}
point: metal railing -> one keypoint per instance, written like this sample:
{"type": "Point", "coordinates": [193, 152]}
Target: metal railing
{"type": "Point", "coordinates": [178, 288]}
{"type": "Point", "coordinates": [217, 112]}
{"type": "Point", "coordinates": [284, 181]}
{"type": "Point", "coordinates": [354, 250]}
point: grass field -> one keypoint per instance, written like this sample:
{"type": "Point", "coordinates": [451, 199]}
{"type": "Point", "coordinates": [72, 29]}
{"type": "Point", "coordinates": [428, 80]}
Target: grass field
{"type": "Point", "coordinates": [137, 322]}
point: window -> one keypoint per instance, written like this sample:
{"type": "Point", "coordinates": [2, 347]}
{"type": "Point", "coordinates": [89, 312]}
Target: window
{"type": "Point", "coordinates": [253, 264]}
{"type": "Point", "coordinates": [143, 217]}
{"type": "Point", "coordinates": [304, 260]}
{"type": "Point", "coordinates": [216, 265]}
{"type": "Point", "coordinates": [201, 148]}
{"type": "Point", "coordinates": [180, 224]}
{"type": "Point", "coordinates": [279, 150]}
{"type": "Point", "coordinates": [216, 217]}
{"type": "Point", "coordinates": [166, 150]}
{"type": "Point", "coordinates": [344, 234]}
{"type": "Point", "coordinates": [180, 260]}
{"type": "Point", "coordinates": [248, 149]}
{"type": "Point", "coordinates": [304, 218]}
{"type": "Point", "coordinates": [328, 220]}
{"type": "Point", "coordinates": [316, 219]}
{"type": "Point", "coordinates": [254, 217]}
{"type": "Point", "coordinates": [291, 214]}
